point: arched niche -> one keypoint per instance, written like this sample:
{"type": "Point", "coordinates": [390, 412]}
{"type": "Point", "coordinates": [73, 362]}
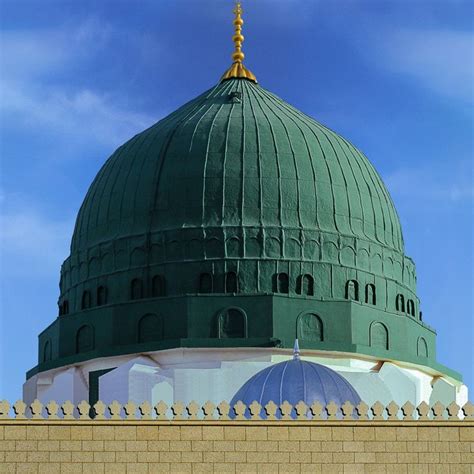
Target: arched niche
{"type": "Point", "coordinates": [422, 347]}
{"type": "Point", "coordinates": [272, 247]}
{"type": "Point", "coordinates": [86, 301]}
{"type": "Point", "coordinates": [231, 282]}
{"type": "Point", "coordinates": [370, 295]}
{"type": "Point", "coordinates": [292, 248]}
{"type": "Point", "coordinates": [101, 295]}
{"type": "Point", "coordinates": [348, 257]}
{"type": "Point", "coordinates": [150, 328]}
{"type": "Point", "coordinates": [232, 323]}
{"type": "Point", "coordinates": [352, 290]}
{"type": "Point", "coordinates": [363, 259]}
{"type": "Point", "coordinates": [311, 250]}
{"type": "Point", "coordinates": [411, 307]}
{"type": "Point", "coordinates": [47, 351]}
{"type": "Point", "coordinates": [379, 337]}
{"type": "Point", "coordinates": [136, 289]}
{"type": "Point", "coordinates": [85, 339]}
{"type": "Point", "coordinates": [233, 247]}
{"type": "Point", "coordinates": [158, 286]}
{"type": "Point", "coordinates": [309, 327]}
{"type": "Point", "coordinates": [281, 283]}
{"type": "Point", "coordinates": [252, 247]}
{"type": "Point", "coordinates": [305, 285]}
{"type": "Point", "coordinates": [205, 283]}
{"type": "Point", "coordinates": [214, 248]}
{"type": "Point", "coordinates": [138, 257]}
{"type": "Point", "coordinates": [400, 303]}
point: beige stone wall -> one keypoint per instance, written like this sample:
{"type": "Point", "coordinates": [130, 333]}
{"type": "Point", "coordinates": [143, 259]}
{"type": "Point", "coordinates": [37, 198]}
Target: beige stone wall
{"type": "Point", "coordinates": [127, 446]}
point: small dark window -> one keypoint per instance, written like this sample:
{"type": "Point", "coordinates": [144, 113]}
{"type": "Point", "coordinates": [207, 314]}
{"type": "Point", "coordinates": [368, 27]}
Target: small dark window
{"type": "Point", "coordinates": [101, 296]}
{"type": "Point", "coordinates": [282, 283]}
{"type": "Point", "coordinates": [421, 316]}
{"type": "Point", "coordinates": [84, 339]}
{"type": "Point", "coordinates": [47, 351]}
{"type": "Point", "coordinates": [379, 336]}
{"type": "Point", "coordinates": [305, 285]}
{"type": "Point", "coordinates": [158, 286]}
{"type": "Point", "coordinates": [232, 324]}
{"type": "Point", "coordinates": [205, 283]}
{"type": "Point", "coordinates": [352, 290]}
{"type": "Point", "coordinates": [411, 307]}
{"type": "Point", "coordinates": [136, 289]}
{"type": "Point", "coordinates": [65, 307]}
{"type": "Point", "coordinates": [60, 307]}
{"type": "Point", "coordinates": [231, 284]}
{"type": "Point", "coordinates": [86, 299]}
{"type": "Point", "coordinates": [400, 303]}
{"type": "Point", "coordinates": [150, 328]}
{"type": "Point", "coordinates": [370, 297]}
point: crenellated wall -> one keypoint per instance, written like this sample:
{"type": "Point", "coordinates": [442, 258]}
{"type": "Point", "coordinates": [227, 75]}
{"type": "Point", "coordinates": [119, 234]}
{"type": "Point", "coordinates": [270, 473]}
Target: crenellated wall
{"type": "Point", "coordinates": [188, 445]}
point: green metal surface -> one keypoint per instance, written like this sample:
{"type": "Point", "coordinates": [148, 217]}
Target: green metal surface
{"type": "Point", "coordinates": [242, 197]}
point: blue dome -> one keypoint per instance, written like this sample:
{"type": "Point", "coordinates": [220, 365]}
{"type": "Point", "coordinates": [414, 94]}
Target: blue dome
{"type": "Point", "coordinates": [296, 380]}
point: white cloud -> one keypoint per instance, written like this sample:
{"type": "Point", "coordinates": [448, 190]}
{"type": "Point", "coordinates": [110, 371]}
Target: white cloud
{"type": "Point", "coordinates": [31, 242]}
{"type": "Point", "coordinates": [441, 60]}
{"type": "Point", "coordinates": [82, 113]}
{"type": "Point", "coordinates": [442, 183]}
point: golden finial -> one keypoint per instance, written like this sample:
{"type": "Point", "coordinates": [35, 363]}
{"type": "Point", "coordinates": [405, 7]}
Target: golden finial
{"type": "Point", "coordinates": [238, 69]}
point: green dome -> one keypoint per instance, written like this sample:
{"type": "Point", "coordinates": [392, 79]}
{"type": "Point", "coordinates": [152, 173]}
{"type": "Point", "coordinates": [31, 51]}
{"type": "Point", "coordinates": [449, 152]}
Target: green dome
{"type": "Point", "coordinates": [237, 156]}
{"type": "Point", "coordinates": [237, 221]}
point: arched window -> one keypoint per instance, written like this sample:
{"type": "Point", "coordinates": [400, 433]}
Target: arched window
{"type": "Point", "coordinates": [281, 283]}
{"type": "Point", "coordinates": [47, 351]}
{"type": "Point", "coordinates": [370, 297]}
{"type": "Point", "coordinates": [150, 328]}
{"type": "Point", "coordinates": [86, 299]}
{"type": "Point", "coordinates": [379, 336]}
{"type": "Point", "coordinates": [231, 282]}
{"type": "Point", "coordinates": [421, 315]}
{"type": "Point", "coordinates": [232, 323]}
{"type": "Point", "coordinates": [411, 307]}
{"type": "Point", "coordinates": [84, 339]}
{"type": "Point", "coordinates": [309, 327]}
{"type": "Point", "coordinates": [60, 308]}
{"type": "Point", "coordinates": [65, 307]}
{"type": "Point", "coordinates": [205, 283]}
{"type": "Point", "coordinates": [101, 295]}
{"type": "Point", "coordinates": [422, 348]}
{"type": "Point", "coordinates": [352, 290]}
{"type": "Point", "coordinates": [158, 286]}
{"type": "Point", "coordinates": [305, 285]}
{"type": "Point", "coordinates": [400, 303]}
{"type": "Point", "coordinates": [136, 289]}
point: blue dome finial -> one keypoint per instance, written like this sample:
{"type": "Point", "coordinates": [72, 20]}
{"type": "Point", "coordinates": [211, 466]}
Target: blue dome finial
{"type": "Point", "coordinates": [296, 350]}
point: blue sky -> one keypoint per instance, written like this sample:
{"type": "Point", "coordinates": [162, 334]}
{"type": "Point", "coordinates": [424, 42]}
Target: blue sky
{"type": "Point", "coordinates": [78, 78]}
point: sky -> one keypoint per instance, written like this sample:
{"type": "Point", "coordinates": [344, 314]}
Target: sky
{"type": "Point", "coordinates": [77, 79]}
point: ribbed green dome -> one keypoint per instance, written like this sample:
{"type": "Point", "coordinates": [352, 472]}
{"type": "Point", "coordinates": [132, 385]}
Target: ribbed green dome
{"type": "Point", "coordinates": [237, 221]}
{"type": "Point", "coordinates": [237, 156]}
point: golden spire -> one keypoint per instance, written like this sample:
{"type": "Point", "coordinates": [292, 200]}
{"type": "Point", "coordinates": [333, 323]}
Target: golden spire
{"type": "Point", "coordinates": [238, 69]}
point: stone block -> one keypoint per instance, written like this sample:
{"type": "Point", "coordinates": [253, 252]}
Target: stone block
{"type": "Point", "coordinates": [222, 446]}
{"type": "Point", "coordinates": [93, 445]}
{"type": "Point", "coordinates": [364, 433]}
{"type": "Point", "coordinates": [192, 456]}
{"type": "Point", "coordinates": [26, 445]}
{"type": "Point", "coordinates": [407, 458]}
{"type": "Point", "coordinates": [125, 433]}
{"type": "Point", "coordinates": [16, 456]}
{"type": "Point", "coordinates": [114, 446]}
{"type": "Point", "coordinates": [147, 433]}
{"type": "Point", "coordinates": [104, 456]}
{"type": "Point", "coordinates": [213, 456]}
{"type": "Point", "coordinates": [289, 468]}
{"type": "Point", "coordinates": [321, 458]}
{"type": "Point", "coordinates": [277, 433]}
{"type": "Point", "coordinates": [386, 458]}
{"type": "Point", "coordinates": [428, 458]}
{"type": "Point", "coordinates": [70, 446]}
{"type": "Point", "coordinates": [353, 446]}
{"type": "Point", "coordinates": [461, 447]}
{"type": "Point", "coordinates": [234, 456]}
{"type": "Point", "coordinates": [311, 446]}
{"type": "Point", "coordinates": [281, 457]}
{"type": "Point", "coordinates": [466, 433]}
{"type": "Point", "coordinates": [7, 445]}
{"type": "Point", "coordinates": [180, 446]}
{"type": "Point", "coordinates": [428, 433]}
{"type": "Point", "coordinates": [332, 468]}
{"type": "Point", "coordinates": [224, 467]}
{"type": "Point", "coordinates": [15, 432]}
{"type": "Point", "coordinates": [364, 458]}
{"type": "Point", "coordinates": [299, 433]}
{"type": "Point", "coordinates": [203, 468]}
{"type": "Point", "coordinates": [245, 445]}
{"type": "Point", "coordinates": [396, 446]}
{"type": "Point", "coordinates": [158, 467]}
{"type": "Point", "coordinates": [37, 456]}
{"type": "Point", "coordinates": [82, 456]}
{"type": "Point", "coordinates": [385, 433]}
{"type": "Point", "coordinates": [448, 433]}
{"type": "Point", "coordinates": [288, 446]}
{"type": "Point", "coordinates": [417, 446]}
{"type": "Point", "coordinates": [256, 433]}
{"type": "Point", "coordinates": [181, 468]}
{"type": "Point", "coordinates": [342, 433]}
{"type": "Point", "coordinates": [202, 445]}
{"type": "Point", "coordinates": [51, 468]}
{"type": "Point", "coordinates": [101, 433]}
{"type": "Point", "coordinates": [321, 433]}
{"type": "Point", "coordinates": [149, 456]}
{"type": "Point", "coordinates": [331, 446]}
{"type": "Point", "coordinates": [158, 445]}
{"type": "Point", "coordinates": [136, 446]}
{"type": "Point", "coordinates": [374, 446]}
{"type": "Point", "coordinates": [81, 433]}
{"type": "Point", "coordinates": [354, 469]}
{"type": "Point", "coordinates": [60, 456]}
{"type": "Point", "coordinates": [267, 446]}
{"type": "Point", "coordinates": [71, 468]}
{"type": "Point", "coordinates": [127, 457]}
{"type": "Point", "coordinates": [59, 432]}
{"type": "Point", "coordinates": [37, 432]}
{"type": "Point", "coordinates": [191, 433]}
{"type": "Point", "coordinates": [171, 457]}
{"type": "Point", "coordinates": [115, 468]}
{"type": "Point", "coordinates": [137, 468]}
{"type": "Point", "coordinates": [407, 433]}
{"type": "Point", "coordinates": [235, 433]}
{"type": "Point", "coordinates": [345, 458]}
{"type": "Point", "coordinates": [212, 433]}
